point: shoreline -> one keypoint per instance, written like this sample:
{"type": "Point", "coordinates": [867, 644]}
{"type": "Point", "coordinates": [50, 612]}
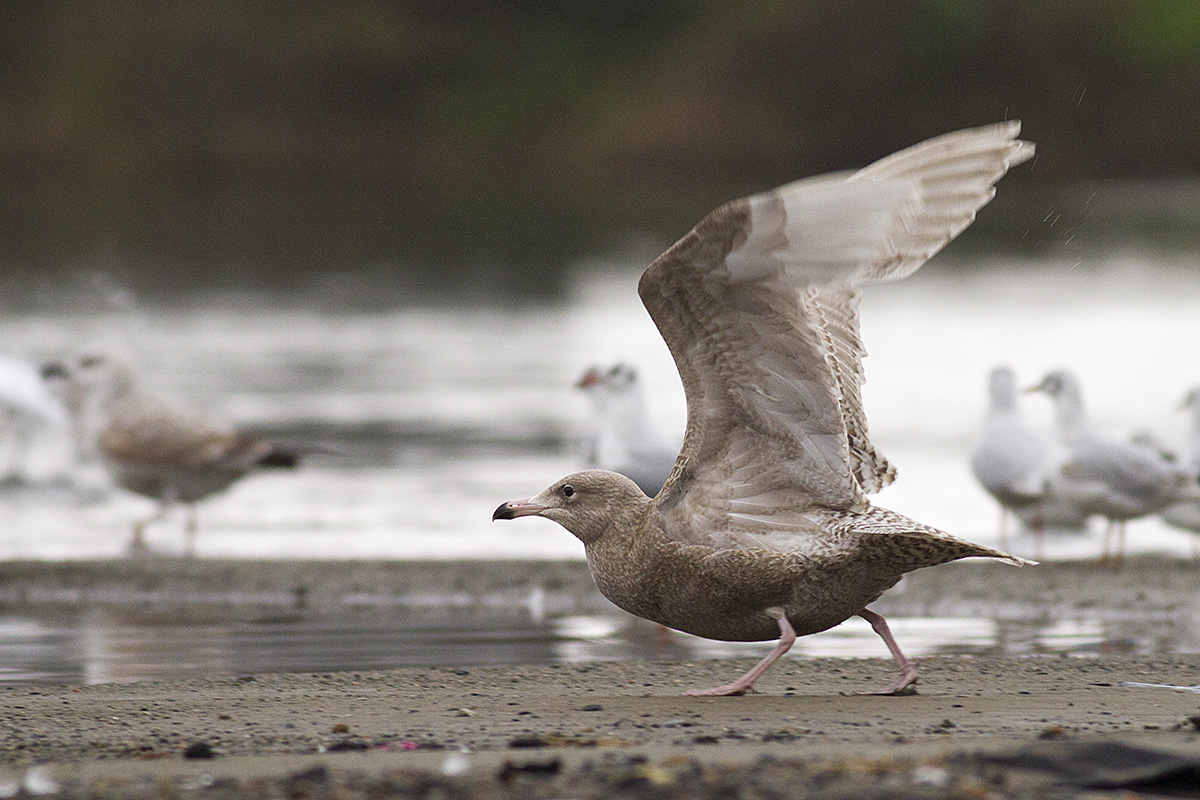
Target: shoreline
{"type": "Point", "coordinates": [1144, 584]}
{"type": "Point", "coordinates": [595, 729]}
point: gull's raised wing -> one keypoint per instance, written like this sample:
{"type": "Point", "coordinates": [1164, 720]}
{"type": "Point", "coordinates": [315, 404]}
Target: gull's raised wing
{"type": "Point", "coordinates": [758, 306]}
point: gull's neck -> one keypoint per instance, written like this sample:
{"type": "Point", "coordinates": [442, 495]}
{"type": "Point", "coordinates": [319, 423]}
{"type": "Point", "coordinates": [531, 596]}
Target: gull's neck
{"type": "Point", "coordinates": [1003, 398]}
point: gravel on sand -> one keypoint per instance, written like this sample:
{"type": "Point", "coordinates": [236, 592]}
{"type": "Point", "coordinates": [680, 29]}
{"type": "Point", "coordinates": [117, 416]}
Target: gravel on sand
{"type": "Point", "coordinates": [601, 730]}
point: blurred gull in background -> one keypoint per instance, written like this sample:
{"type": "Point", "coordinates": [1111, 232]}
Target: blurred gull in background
{"type": "Point", "coordinates": [1014, 465]}
{"type": "Point", "coordinates": [34, 443]}
{"type": "Point", "coordinates": [621, 437]}
{"type": "Point", "coordinates": [1185, 514]}
{"type": "Point", "coordinates": [1103, 476]}
{"type": "Point", "coordinates": [154, 447]}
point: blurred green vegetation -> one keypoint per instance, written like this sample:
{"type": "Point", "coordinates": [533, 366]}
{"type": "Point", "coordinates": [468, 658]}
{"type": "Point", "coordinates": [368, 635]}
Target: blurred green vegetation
{"type": "Point", "coordinates": [257, 139]}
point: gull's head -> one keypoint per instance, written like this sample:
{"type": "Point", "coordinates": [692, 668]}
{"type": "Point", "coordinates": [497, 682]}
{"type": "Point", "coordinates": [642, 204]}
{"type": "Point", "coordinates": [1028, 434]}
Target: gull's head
{"type": "Point", "coordinates": [617, 379]}
{"type": "Point", "coordinates": [96, 377]}
{"type": "Point", "coordinates": [585, 503]}
{"type": "Point", "coordinates": [1057, 384]}
{"type": "Point", "coordinates": [592, 377]}
{"type": "Point", "coordinates": [621, 377]}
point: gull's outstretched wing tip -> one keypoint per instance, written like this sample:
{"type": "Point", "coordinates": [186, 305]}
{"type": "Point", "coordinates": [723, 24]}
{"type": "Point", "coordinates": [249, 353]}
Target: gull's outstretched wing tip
{"type": "Point", "coordinates": [724, 298]}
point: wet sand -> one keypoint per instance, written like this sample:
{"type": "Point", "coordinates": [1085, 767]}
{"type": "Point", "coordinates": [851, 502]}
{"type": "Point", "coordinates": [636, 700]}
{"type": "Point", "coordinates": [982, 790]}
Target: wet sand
{"type": "Point", "coordinates": [588, 730]}
{"type": "Point", "coordinates": [613, 729]}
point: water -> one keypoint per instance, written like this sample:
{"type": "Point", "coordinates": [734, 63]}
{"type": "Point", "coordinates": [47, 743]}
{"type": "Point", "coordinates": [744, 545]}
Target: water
{"type": "Point", "coordinates": [441, 411]}
{"type": "Point", "coordinates": [106, 645]}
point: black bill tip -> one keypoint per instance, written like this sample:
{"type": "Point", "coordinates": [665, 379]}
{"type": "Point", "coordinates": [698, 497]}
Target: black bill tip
{"type": "Point", "coordinates": [503, 511]}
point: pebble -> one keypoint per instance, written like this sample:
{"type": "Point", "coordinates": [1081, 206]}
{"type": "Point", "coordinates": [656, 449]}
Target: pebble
{"type": "Point", "coordinates": [199, 749]}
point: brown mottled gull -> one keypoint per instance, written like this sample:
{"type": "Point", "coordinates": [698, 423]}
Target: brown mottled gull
{"type": "Point", "coordinates": [763, 529]}
{"type": "Point", "coordinates": [156, 448]}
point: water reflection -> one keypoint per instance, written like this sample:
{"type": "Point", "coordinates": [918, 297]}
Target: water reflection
{"type": "Point", "coordinates": [107, 644]}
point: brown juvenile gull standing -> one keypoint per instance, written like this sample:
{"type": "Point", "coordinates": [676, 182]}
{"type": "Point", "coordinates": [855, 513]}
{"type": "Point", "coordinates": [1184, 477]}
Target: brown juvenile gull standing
{"type": "Point", "coordinates": [763, 529]}
{"type": "Point", "coordinates": [155, 447]}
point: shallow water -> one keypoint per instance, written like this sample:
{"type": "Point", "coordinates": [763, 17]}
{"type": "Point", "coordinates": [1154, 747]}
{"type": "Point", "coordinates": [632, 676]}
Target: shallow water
{"type": "Point", "coordinates": [105, 645]}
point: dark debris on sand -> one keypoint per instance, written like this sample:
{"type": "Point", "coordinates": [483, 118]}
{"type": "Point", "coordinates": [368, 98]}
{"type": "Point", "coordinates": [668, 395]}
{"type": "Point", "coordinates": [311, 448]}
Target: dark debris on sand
{"type": "Point", "coordinates": [639, 777]}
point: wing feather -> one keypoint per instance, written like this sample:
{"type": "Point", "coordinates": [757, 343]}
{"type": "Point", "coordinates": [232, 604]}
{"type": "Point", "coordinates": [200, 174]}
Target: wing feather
{"type": "Point", "coordinates": [759, 308]}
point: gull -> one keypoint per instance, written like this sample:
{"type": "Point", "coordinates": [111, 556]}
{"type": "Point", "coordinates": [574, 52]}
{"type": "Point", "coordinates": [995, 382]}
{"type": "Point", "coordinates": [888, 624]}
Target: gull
{"type": "Point", "coordinates": [1104, 476]}
{"type": "Point", "coordinates": [156, 448]}
{"type": "Point", "coordinates": [621, 437]}
{"type": "Point", "coordinates": [763, 530]}
{"type": "Point", "coordinates": [33, 421]}
{"type": "Point", "coordinates": [1185, 514]}
{"type": "Point", "coordinates": [1013, 464]}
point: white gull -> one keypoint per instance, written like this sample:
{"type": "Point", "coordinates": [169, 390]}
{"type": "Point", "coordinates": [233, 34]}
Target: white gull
{"type": "Point", "coordinates": [621, 438]}
{"type": "Point", "coordinates": [34, 441]}
{"type": "Point", "coordinates": [1185, 514]}
{"type": "Point", "coordinates": [1015, 465]}
{"type": "Point", "coordinates": [1104, 476]}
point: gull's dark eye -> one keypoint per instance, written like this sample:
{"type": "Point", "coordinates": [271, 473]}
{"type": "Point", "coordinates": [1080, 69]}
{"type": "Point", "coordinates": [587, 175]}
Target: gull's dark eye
{"type": "Point", "coordinates": [568, 491]}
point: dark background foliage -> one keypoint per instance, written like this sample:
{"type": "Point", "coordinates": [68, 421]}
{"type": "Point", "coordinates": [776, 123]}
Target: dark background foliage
{"type": "Point", "coordinates": [246, 142]}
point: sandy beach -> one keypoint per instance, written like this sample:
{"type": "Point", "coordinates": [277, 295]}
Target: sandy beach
{"type": "Point", "coordinates": [610, 729]}
{"type": "Point", "coordinates": [589, 730]}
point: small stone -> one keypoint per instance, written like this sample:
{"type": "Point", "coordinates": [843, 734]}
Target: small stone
{"type": "Point", "coordinates": [348, 745]}
{"type": "Point", "coordinates": [534, 768]}
{"type": "Point", "coordinates": [199, 749]}
{"type": "Point", "coordinates": [527, 741]}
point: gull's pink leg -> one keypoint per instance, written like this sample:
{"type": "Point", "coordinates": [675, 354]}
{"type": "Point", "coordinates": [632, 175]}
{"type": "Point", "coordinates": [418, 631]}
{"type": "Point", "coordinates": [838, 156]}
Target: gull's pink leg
{"type": "Point", "coordinates": [787, 637]}
{"type": "Point", "coordinates": [189, 532]}
{"type": "Point", "coordinates": [137, 545]}
{"type": "Point", "coordinates": [908, 670]}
